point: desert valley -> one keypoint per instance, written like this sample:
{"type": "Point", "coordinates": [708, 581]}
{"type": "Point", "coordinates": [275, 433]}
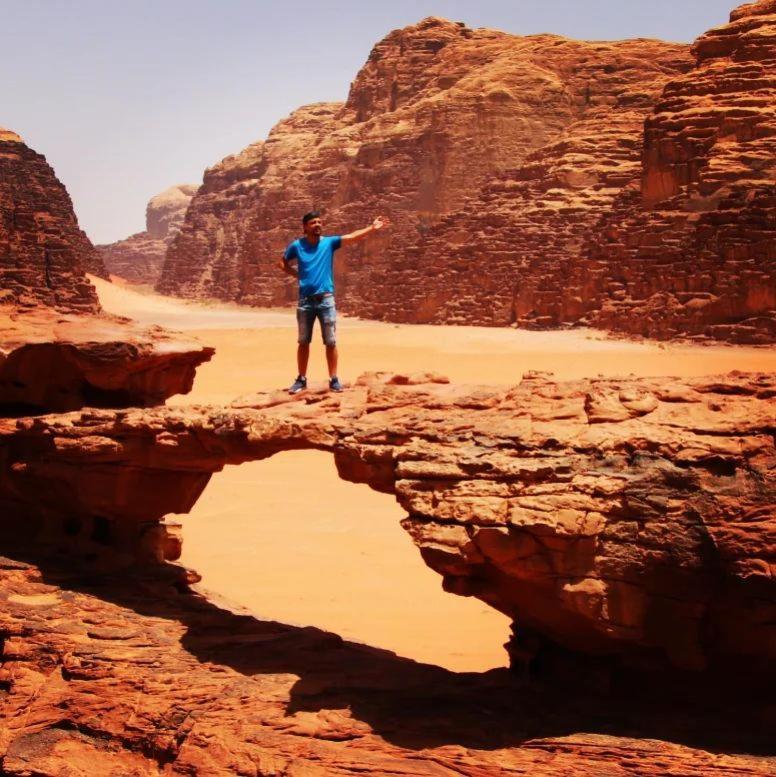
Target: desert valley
{"type": "Point", "coordinates": [535, 532]}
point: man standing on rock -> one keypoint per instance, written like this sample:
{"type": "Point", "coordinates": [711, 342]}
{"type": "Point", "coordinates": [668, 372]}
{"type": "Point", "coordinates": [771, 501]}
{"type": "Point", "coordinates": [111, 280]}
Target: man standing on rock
{"type": "Point", "coordinates": [314, 257]}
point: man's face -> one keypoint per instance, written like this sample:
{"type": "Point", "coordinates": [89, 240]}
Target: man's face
{"type": "Point", "coordinates": [313, 228]}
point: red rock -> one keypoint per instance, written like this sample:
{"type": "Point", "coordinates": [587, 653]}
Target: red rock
{"type": "Point", "coordinates": [139, 258]}
{"type": "Point", "coordinates": [135, 675]}
{"type": "Point", "coordinates": [626, 518]}
{"type": "Point", "coordinates": [58, 350]}
{"type": "Point", "coordinates": [43, 253]}
{"type": "Point", "coordinates": [59, 362]}
{"type": "Point", "coordinates": [436, 113]}
{"type": "Point", "coordinates": [692, 253]}
{"type": "Point", "coordinates": [519, 186]}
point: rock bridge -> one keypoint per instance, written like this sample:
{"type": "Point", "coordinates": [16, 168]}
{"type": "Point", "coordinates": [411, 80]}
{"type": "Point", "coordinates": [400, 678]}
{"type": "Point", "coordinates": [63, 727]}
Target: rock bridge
{"type": "Point", "coordinates": [613, 517]}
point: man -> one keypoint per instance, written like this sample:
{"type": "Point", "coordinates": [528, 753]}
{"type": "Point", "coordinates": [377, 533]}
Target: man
{"type": "Point", "coordinates": [314, 256]}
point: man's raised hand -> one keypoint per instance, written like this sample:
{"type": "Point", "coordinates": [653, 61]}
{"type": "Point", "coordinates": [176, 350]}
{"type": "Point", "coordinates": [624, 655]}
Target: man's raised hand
{"type": "Point", "coordinates": [380, 222]}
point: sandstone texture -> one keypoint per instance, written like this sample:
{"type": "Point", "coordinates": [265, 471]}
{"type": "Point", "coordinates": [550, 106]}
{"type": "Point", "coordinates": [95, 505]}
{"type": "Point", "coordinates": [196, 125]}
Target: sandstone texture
{"type": "Point", "coordinates": [438, 112]}
{"type": "Point", "coordinates": [134, 675]}
{"type": "Point", "coordinates": [533, 181]}
{"type": "Point", "coordinates": [43, 253]}
{"type": "Point", "coordinates": [623, 518]}
{"type": "Point", "coordinates": [627, 526]}
{"type": "Point", "coordinates": [139, 258]}
{"type": "Point", "coordinates": [695, 254]}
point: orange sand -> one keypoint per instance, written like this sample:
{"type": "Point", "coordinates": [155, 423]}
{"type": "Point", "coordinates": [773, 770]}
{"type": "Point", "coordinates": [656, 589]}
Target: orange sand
{"type": "Point", "coordinates": [288, 540]}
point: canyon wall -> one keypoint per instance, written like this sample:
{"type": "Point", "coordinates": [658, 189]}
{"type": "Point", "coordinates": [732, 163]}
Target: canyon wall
{"type": "Point", "coordinates": [436, 113]}
{"type": "Point", "coordinates": [677, 239]}
{"type": "Point", "coordinates": [533, 181]}
{"type": "Point", "coordinates": [694, 253]}
{"type": "Point", "coordinates": [140, 257]}
{"type": "Point", "coordinates": [43, 253]}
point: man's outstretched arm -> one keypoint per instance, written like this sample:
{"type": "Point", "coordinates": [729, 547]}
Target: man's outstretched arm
{"type": "Point", "coordinates": [379, 223]}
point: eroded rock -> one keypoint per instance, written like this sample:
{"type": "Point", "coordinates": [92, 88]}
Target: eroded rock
{"type": "Point", "coordinates": [635, 526]}
{"type": "Point", "coordinates": [43, 254]}
{"type": "Point", "coordinates": [437, 112]}
{"type": "Point", "coordinates": [58, 350]}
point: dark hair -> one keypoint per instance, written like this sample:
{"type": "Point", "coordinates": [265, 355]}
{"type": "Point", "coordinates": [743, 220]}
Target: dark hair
{"type": "Point", "coordinates": [313, 214]}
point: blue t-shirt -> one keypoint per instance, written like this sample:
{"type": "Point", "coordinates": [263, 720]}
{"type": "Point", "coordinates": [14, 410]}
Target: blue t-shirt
{"type": "Point", "coordinates": [314, 263]}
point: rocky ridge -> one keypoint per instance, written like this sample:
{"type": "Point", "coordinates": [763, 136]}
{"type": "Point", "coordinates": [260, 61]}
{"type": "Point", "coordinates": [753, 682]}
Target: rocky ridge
{"type": "Point", "coordinates": [696, 254]}
{"type": "Point", "coordinates": [622, 523]}
{"type": "Point", "coordinates": [437, 111]}
{"type": "Point", "coordinates": [139, 258]}
{"type": "Point", "coordinates": [670, 237]}
{"type": "Point", "coordinates": [534, 181]}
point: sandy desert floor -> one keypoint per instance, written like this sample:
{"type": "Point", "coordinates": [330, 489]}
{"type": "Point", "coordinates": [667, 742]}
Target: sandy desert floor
{"type": "Point", "coordinates": [288, 540]}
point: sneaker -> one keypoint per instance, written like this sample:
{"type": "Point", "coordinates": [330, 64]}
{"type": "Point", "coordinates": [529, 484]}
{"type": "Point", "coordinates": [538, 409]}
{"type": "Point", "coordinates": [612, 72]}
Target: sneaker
{"type": "Point", "coordinates": [335, 385]}
{"type": "Point", "coordinates": [300, 384]}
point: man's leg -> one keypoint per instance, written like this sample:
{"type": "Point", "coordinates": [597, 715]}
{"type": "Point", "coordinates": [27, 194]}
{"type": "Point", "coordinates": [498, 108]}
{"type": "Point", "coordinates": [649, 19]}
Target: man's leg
{"type": "Point", "coordinates": [305, 317]}
{"type": "Point", "coordinates": [302, 358]}
{"type": "Point", "coordinates": [331, 359]}
{"type": "Point", "coordinates": [327, 313]}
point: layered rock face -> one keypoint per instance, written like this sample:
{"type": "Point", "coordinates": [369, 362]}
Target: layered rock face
{"type": "Point", "coordinates": [699, 256]}
{"type": "Point", "coordinates": [43, 253]}
{"type": "Point", "coordinates": [434, 115]}
{"type": "Point", "coordinates": [621, 518]}
{"type": "Point", "coordinates": [693, 252]}
{"type": "Point", "coordinates": [58, 350]}
{"type": "Point", "coordinates": [139, 258]}
{"type": "Point", "coordinates": [624, 519]}
{"type": "Point", "coordinates": [533, 181]}
{"type": "Point", "coordinates": [60, 362]}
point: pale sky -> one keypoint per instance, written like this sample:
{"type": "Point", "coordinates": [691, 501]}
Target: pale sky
{"type": "Point", "coordinates": [127, 98]}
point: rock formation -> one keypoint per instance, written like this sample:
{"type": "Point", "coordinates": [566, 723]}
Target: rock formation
{"type": "Point", "coordinates": [675, 241]}
{"type": "Point", "coordinates": [623, 520]}
{"type": "Point", "coordinates": [695, 253]}
{"type": "Point", "coordinates": [134, 675]}
{"type": "Point", "coordinates": [436, 113]}
{"type": "Point", "coordinates": [612, 517]}
{"type": "Point", "coordinates": [139, 258]}
{"type": "Point", "coordinates": [43, 253]}
{"type": "Point", "coordinates": [58, 350]}
{"type": "Point", "coordinates": [533, 181]}
{"type": "Point", "coordinates": [56, 363]}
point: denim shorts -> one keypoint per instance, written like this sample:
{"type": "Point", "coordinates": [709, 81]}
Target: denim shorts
{"type": "Point", "coordinates": [320, 306]}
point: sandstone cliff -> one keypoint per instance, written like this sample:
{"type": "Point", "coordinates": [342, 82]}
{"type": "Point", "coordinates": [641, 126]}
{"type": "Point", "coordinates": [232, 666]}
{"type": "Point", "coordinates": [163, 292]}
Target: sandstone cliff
{"type": "Point", "coordinates": [695, 253]}
{"type": "Point", "coordinates": [43, 253]}
{"type": "Point", "coordinates": [618, 520]}
{"type": "Point", "coordinates": [677, 239]}
{"type": "Point", "coordinates": [436, 113]}
{"type": "Point", "coordinates": [58, 350]}
{"type": "Point", "coordinates": [140, 257]}
{"type": "Point", "coordinates": [533, 181]}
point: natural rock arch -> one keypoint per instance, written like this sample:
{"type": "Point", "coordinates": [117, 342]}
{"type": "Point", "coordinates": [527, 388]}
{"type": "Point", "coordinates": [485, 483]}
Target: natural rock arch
{"type": "Point", "coordinates": [613, 517]}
